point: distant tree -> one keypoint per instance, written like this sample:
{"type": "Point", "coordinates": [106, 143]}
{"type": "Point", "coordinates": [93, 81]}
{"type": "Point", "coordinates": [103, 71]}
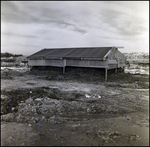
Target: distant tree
{"type": "Point", "coordinates": [6, 54]}
{"type": "Point", "coordinates": [8, 60]}
{"type": "Point", "coordinates": [17, 55]}
{"type": "Point", "coordinates": [146, 56]}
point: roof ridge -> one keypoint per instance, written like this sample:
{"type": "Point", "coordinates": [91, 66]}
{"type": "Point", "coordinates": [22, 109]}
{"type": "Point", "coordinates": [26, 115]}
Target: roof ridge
{"type": "Point", "coordinates": [79, 47]}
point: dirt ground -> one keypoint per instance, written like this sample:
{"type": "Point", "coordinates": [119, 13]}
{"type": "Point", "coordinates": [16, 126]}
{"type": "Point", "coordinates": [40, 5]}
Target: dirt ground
{"type": "Point", "coordinates": [46, 108]}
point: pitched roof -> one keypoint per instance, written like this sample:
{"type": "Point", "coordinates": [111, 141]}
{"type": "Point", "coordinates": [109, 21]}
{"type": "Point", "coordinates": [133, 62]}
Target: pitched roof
{"type": "Point", "coordinates": [84, 52]}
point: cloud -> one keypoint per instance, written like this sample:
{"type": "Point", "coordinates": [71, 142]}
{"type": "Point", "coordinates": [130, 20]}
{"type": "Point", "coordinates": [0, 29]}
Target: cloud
{"type": "Point", "coordinates": [71, 23]}
{"type": "Point", "coordinates": [82, 31]}
{"type": "Point", "coordinates": [30, 12]}
{"type": "Point", "coordinates": [27, 12]}
{"type": "Point", "coordinates": [123, 23]}
{"type": "Point", "coordinates": [19, 35]}
{"type": "Point", "coordinates": [46, 36]}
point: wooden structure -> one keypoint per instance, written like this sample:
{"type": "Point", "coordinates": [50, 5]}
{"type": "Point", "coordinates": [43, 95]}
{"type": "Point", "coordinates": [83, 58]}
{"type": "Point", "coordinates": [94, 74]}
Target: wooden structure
{"type": "Point", "coordinates": [95, 57]}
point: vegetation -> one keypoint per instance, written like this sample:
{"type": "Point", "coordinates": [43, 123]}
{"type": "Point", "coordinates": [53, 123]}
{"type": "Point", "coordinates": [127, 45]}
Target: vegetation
{"type": "Point", "coordinates": [137, 55]}
{"type": "Point", "coordinates": [6, 54]}
{"type": "Point", "coordinates": [8, 60]}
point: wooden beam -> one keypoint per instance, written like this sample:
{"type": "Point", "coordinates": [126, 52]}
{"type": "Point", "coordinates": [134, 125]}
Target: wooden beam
{"type": "Point", "coordinates": [92, 59]}
{"type": "Point", "coordinates": [118, 63]}
{"type": "Point", "coordinates": [106, 74]}
{"type": "Point", "coordinates": [104, 58]}
{"type": "Point", "coordinates": [119, 46]}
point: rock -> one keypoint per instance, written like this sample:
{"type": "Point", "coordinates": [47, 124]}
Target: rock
{"type": "Point", "coordinates": [13, 108]}
{"type": "Point", "coordinates": [115, 136]}
{"type": "Point", "coordinates": [37, 119]}
{"type": "Point", "coordinates": [4, 109]}
{"type": "Point", "coordinates": [88, 109]}
{"type": "Point", "coordinates": [3, 97]}
{"type": "Point", "coordinates": [99, 96]}
{"type": "Point", "coordinates": [43, 118]}
{"type": "Point", "coordinates": [10, 137]}
{"type": "Point", "coordinates": [8, 117]}
{"type": "Point", "coordinates": [128, 118]}
{"type": "Point", "coordinates": [87, 96]}
{"type": "Point", "coordinates": [55, 137]}
{"type": "Point", "coordinates": [19, 118]}
{"type": "Point", "coordinates": [29, 101]}
{"type": "Point", "coordinates": [38, 99]}
{"type": "Point", "coordinates": [33, 109]}
{"type": "Point", "coordinates": [29, 125]}
{"type": "Point", "coordinates": [87, 133]}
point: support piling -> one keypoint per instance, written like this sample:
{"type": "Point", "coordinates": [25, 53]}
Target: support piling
{"type": "Point", "coordinates": [106, 74]}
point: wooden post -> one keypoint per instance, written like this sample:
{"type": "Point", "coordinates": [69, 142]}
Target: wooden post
{"type": "Point", "coordinates": [30, 68]}
{"type": "Point", "coordinates": [115, 70]}
{"type": "Point", "coordinates": [123, 68]}
{"type": "Point", "coordinates": [118, 63]}
{"type": "Point", "coordinates": [106, 74]}
{"type": "Point", "coordinates": [64, 70]}
{"type": "Point", "coordinates": [64, 66]}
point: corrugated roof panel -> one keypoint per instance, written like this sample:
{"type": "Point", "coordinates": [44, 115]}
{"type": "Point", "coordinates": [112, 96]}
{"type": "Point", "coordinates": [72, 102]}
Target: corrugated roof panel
{"type": "Point", "coordinates": [42, 52]}
{"type": "Point", "coordinates": [39, 53]}
{"type": "Point", "coordinates": [59, 52]}
{"type": "Point", "coordinates": [89, 52]}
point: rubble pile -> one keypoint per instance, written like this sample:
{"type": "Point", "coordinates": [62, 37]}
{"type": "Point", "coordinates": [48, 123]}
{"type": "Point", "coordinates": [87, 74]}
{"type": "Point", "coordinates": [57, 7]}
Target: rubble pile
{"type": "Point", "coordinates": [43, 103]}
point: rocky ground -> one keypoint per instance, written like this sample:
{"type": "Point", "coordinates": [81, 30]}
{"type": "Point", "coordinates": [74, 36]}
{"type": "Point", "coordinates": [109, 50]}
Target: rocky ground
{"type": "Point", "coordinates": [46, 108]}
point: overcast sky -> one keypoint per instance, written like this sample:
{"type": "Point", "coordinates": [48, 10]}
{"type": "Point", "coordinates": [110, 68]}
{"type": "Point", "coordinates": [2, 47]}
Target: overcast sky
{"type": "Point", "coordinates": [29, 26]}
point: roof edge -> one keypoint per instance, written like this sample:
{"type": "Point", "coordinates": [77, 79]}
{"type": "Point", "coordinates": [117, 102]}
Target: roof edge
{"type": "Point", "coordinates": [35, 53]}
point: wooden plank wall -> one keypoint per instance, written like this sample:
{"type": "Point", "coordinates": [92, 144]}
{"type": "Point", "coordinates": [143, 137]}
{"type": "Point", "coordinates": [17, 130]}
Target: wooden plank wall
{"type": "Point", "coordinates": [58, 63]}
{"type": "Point", "coordinates": [68, 62]}
{"type": "Point", "coordinates": [116, 59]}
{"type": "Point", "coordinates": [87, 63]}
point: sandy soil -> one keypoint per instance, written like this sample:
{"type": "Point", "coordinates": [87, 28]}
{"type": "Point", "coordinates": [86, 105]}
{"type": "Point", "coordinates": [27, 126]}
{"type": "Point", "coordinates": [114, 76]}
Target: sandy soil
{"type": "Point", "coordinates": [46, 108]}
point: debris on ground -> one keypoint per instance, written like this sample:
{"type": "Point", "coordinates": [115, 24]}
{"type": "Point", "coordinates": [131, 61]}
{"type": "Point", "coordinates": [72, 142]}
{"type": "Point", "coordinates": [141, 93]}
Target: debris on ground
{"type": "Point", "coordinates": [71, 110]}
